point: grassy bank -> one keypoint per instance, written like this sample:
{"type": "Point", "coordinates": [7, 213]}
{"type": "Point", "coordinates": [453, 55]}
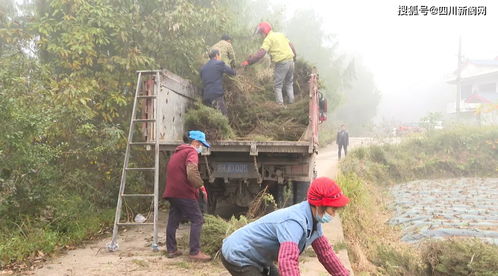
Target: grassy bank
{"type": "Point", "coordinates": [373, 245]}
{"type": "Point", "coordinates": [23, 245]}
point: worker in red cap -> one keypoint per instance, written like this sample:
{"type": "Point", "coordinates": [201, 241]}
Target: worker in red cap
{"type": "Point", "coordinates": [283, 235]}
{"type": "Point", "coordinates": [283, 54]}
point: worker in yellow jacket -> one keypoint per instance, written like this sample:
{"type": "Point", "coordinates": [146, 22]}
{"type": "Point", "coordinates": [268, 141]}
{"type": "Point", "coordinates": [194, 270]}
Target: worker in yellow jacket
{"type": "Point", "coordinates": [283, 54]}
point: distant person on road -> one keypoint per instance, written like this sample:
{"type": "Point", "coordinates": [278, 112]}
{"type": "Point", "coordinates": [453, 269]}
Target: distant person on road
{"type": "Point", "coordinates": [183, 181]}
{"type": "Point", "coordinates": [283, 54]}
{"type": "Point", "coordinates": [283, 235]}
{"type": "Point", "coordinates": [212, 80]}
{"type": "Point", "coordinates": [226, 50]}
{"type": "Point", "coordinates": [342, 141]}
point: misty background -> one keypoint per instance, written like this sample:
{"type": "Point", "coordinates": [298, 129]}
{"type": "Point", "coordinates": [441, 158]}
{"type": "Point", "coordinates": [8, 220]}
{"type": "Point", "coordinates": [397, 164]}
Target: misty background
{"type": "Point", "coordinates": [401, 63]}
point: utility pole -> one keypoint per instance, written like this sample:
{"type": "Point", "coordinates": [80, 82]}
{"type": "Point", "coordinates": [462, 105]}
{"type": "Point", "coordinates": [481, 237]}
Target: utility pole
{"type": "Point", "coordinates": [459, 71]}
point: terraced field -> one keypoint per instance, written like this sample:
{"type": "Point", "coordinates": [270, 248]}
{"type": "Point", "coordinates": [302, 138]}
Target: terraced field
{"type": "Point", "coordinates": [462, 207]}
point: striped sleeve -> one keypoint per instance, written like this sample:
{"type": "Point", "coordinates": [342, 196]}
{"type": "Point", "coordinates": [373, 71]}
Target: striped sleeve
{"type": "Point", "coordinates": [288, 259]}
{"type": "Point", "coordinates": [328, 258]}
{"type": "Point", "coordinates": [257, 56]}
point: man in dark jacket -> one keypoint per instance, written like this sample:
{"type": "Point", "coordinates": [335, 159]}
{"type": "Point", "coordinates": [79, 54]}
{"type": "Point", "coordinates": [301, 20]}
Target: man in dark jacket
{"type": "Point", "coordinates": [342, 141]}
{"type": "Point", "coordinates": [212, 79]}
{"type": "Point", "coordinates": [183, 181]}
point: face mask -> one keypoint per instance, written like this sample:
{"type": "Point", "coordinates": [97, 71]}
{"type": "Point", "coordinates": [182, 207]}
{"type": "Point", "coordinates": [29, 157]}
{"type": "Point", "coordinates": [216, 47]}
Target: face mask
{"type": "Point", "coordinates": [326, 218]}
{"type": "Point", "coordinates": [199, 149]}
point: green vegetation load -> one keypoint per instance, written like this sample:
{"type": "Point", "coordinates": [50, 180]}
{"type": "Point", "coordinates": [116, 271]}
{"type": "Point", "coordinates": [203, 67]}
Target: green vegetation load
{"type": "Point", "coordinates": [214, 231]}
{"type": "Point", "coordinates": [253, 113]}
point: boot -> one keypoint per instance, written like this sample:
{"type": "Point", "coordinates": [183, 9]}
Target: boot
{"type": "Point", "coordinates": [174, 254]}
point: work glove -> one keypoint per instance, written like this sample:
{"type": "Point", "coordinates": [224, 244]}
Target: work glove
{"type": "Point", "coordinates": [204, 193]}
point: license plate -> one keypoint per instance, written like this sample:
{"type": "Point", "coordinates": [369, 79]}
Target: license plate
{"type": "Point", "coordinates": [233, 169]}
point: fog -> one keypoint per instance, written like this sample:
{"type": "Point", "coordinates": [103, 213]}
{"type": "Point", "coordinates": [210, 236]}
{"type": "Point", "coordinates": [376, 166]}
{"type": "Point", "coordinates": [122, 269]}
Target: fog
{"type": "Point", "coordinates": [411, 57]}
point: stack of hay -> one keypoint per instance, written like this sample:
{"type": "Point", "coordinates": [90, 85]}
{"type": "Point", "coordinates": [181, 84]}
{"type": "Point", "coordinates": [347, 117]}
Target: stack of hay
{"type": "Point", "coordinates": [253, 113]}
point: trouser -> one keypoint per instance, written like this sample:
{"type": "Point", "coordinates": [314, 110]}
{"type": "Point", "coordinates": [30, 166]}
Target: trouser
{"type": "Point", "coordinates": [218, 103]}
{"type": "Point", "coordinates": [248, 270]}
{"type": "Point", "coordinates": [284, 79]}
{"type": "Point", "coordinates": [184, 208]}
{"type": "Point", "coordinates": [345, 150]}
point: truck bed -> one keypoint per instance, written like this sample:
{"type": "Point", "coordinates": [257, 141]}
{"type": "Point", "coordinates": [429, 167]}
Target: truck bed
{"type": "Point", "coordinates": [174, 97]}
{"type": "Point", "coordinates": [251, 147]}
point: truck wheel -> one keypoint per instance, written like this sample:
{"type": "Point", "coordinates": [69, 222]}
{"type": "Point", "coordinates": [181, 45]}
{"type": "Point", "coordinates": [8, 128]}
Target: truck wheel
{"type": "Point", "coordinates": [226, 209]}
{"type": "Point", "coordinates": [300, 190]}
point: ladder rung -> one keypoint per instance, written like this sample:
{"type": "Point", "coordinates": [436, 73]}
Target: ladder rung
{"type": "Point", "coordinates": [144, 120]}
{"type": "Point", "coordinates": [142, 143]}
{"type": "Point", "coordinates": [140, 169]}
{"type": "Point", "coordinates": [134, 223]}
{"type": "Point", "coordinates": [137, 195]}
{"type": "Point", "coordinates": [146, 97]}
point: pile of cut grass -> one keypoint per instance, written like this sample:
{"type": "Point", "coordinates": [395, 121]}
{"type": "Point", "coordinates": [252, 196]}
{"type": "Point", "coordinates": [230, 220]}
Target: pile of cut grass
{"type": "Point", "coordinates": [214, 230]}
{"type": "Point", "coordinates": [209, 120]}
{"type": "Point", "coordinates": [252, 111]}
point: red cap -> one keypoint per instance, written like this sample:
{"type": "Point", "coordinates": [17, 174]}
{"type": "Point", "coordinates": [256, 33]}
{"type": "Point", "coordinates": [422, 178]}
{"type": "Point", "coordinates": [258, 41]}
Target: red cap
{"type": "Point", "coordinates": [324, 191]}
{"type": "Point", "coordinates": [264, 28]}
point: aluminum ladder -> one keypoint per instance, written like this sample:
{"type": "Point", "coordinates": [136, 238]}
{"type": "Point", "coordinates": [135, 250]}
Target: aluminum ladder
{"type": "Point", "coordinates": [113, 245]}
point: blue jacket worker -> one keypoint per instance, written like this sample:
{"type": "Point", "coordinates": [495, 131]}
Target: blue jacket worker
{"type": "Point", "coordinates": [212, 79]}
{"type": "Point", "coordinates": [283, 235]}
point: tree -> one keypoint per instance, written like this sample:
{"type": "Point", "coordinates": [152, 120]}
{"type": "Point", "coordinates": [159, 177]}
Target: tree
{"type": "Point", "coordinates": [360, 102]}
{"type": "Point", "coordinates": [316, 46]}
{"type": "Point", "coordinates": [24, 157]}
{"type": "Point", "coordinates": [348, 86]}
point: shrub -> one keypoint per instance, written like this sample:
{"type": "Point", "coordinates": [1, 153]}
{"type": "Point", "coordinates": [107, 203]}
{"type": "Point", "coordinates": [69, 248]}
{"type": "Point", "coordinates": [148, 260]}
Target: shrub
{"type": "Point", "coordinates": [398, 261]}
{"type": "Point", "coordinates": [460, 257]}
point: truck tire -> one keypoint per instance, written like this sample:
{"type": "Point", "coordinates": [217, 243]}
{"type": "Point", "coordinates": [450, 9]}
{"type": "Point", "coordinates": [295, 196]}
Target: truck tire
{"type": "Point", "coordinates": [226, 209]}
{"type": "Point", "coordinates": [300, 190]}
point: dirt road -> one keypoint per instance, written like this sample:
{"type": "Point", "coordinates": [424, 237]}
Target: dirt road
{"type": "Point", "coordinates": [136, 258]}
{"type": "Point", "coordinates": [327, 166]}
